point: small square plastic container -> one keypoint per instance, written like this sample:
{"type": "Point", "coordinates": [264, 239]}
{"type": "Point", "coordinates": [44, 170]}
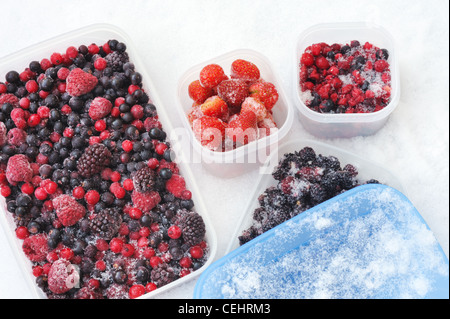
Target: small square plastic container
{"type": "Point", "coordinates": [343, 125]}
{"type": "Point", "coordinates": [367, 243]}
{"type": "Point", "coordinates": [366, 170]}
{"type": "Point", "coordinates": [100, 33]}
{"type": "Point", "coordinates": [244, 158]}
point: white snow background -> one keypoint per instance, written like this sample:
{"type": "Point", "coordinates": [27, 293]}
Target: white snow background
{"type": "Point", "coordinates": [171, 36]}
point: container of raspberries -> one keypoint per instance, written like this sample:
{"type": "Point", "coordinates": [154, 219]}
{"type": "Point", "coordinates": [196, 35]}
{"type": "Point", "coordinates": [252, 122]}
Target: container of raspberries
{"type": "Point", "coordinates": [93, 202]}
{"type": "Point", "coordinates": [305, 173]}
{"type": "Point", "coordinates": [346, 79]}
{"type": "Point", "coordinates": [234, 110]}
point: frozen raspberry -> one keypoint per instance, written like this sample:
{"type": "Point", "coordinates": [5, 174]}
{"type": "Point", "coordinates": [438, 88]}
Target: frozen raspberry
{"type": "Point", "coordinates": [307, 59]}
{"type": "Point", "coordinates": [145, 201]}
{"type": "Point", "coordinates": [79, 82]}
{"type": "Point", "coordinates": [3, 132]}
{"type": "Point", "coordinates": [35, 247]}
{"type": "Point", "coordinates": [9, 98]}
{"type": "Point", "coordinates": [62, 276]}
{"type": "Point", "coordinates": [152, 122]}
{"type": "Point", "coordinates": [176, 185]}
{"type": "Point", "coordinates": [16, 136]}
{"type": "Point", "coordinates": [87, 293]}
{"type": "Point", "coordinates": [18, 169]}
{"type": "Point", "coordinates": [99, 108]}
{"type": "Point", "coordinates": [18, 115]}
{"type": "Point", "coordinates": [68, 210]}
{"type": "Point", "coordinates": [116, 291]}
{"type": "Point", "coordinates": [381, 65]}
{"type": "Point", "coordinates": [322, 63]}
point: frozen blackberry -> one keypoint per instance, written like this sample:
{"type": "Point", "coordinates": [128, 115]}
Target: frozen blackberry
{"type": "Point", "coordinates": [106, 223]}
{"type": "Point", "coordinates": [144, 179]}
{"type": "Point", "coordinates": [249, 234]}
{"type": "Point", "coordinates": [162, 274]}
{"type": "Point", "coordinates": [93, 160]}
{"type": "Point", "coordinates": [116, 60]}
{"type": "Point", "coordinates": [318, 194]}
{"type": "Point", "coordinates": [307, 154]}
{"type": "Point", "coordinates": [192, 227]}
{"type": "Point", "coordinates": [288, 164]}
{"type": "Point", "coordinates": [328, 162]}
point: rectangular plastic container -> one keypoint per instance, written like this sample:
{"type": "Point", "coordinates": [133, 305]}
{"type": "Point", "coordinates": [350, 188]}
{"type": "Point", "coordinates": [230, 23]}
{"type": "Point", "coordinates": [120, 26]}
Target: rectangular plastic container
{"type": "Point", "coordinates": [242, 159]}
{"type": "Point", "coordinates": [367, 243]}
{"type": "Point", "coordinates": [346, 125]}
{"type": "Point", "coordinates": [100, 33]}
{"type": "Point", "coordinates": [366, 170]}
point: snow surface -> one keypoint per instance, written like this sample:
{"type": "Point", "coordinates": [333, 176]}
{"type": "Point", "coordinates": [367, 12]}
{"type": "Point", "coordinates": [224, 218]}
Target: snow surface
{"type": "Point", "coordinates": [172, 36]}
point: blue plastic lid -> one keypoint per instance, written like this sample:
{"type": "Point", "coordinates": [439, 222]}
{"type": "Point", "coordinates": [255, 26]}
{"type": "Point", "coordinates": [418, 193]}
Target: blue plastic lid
{"type": "Point", "coordinates": [367, 243]}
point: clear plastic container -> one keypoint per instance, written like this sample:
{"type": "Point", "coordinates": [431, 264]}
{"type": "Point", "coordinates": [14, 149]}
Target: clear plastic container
{"type": "Point", "coordinates": [346, 125]}
{"type": "Point", "coordinates": [242, 159]}
{"type": "Point", "coordinates": [369, 242]}
{"type": "Point", "coordinates": [366, 170]}
{"type": "Point", "coordinates": [100, 33]}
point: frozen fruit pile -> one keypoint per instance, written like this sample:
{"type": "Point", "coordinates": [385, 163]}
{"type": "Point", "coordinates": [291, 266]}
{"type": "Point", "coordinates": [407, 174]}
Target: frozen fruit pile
{"type": "Point", "coordinates": [304, 180]}
{"type": "Point", "coordinates": [345, 78]}
{"type": "Point", "coordinates": [88, 177]}
{"type": "Point", "coordinates": [230, 111]}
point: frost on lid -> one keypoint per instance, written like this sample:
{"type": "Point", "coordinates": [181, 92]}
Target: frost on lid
{"type": "Point", "coordinates": [385, 251]}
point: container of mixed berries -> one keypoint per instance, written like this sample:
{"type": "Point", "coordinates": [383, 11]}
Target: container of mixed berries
{"type": "Point", "coordinates": [93, 202]}
{"type": "Point", "coordinates": [234, 110]}
{"type": "Point", "coordinates": [346, 79]}
{"type": "Point", "coordinates": [304, 174]}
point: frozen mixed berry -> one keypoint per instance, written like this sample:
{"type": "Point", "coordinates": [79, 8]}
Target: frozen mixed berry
{"type": "Point", "coordinates": [93, 160]}
{"type": "Point", "coordinates": [88, 176]}
{"type": "Point", "coordinates": [79, 82]}
{"type": "Point", "coordinates": [345, 78]}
